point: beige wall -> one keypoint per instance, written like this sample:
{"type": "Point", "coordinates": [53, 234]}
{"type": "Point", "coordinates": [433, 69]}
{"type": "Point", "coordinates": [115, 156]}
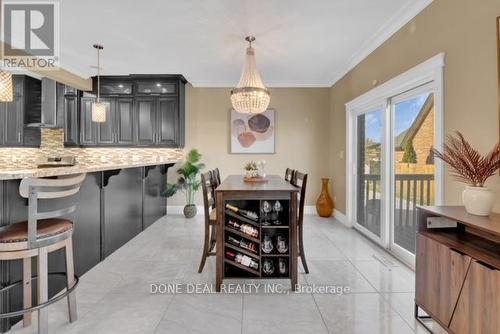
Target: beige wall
{"type": "Point", "coordinates": [302, 134]}
{"type": "Point", "coordinates": [466, 31]}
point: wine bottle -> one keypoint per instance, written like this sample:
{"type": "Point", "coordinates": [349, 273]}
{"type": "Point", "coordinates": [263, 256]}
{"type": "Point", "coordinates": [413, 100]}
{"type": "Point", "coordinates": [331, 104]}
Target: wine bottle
{"type": "Point", "coordinates": [244, 260]}
{"type": "Point", "coordinates": [245, 213]}
{"type": "Point", "coordinates": [245, 228]}
{"type": "Point", "coordinates": [243, 244]}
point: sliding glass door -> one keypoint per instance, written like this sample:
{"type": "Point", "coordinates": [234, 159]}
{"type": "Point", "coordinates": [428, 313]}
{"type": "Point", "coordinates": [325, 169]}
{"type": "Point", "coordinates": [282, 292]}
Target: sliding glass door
{"type": "Point", "coordinates": [369, 137]}
{"type": "Point", "coordinates": [393, 167]}
{"type": "Point", "coordinates": [413, 170]}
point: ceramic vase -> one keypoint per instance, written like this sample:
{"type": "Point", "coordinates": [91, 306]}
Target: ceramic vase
{"type": "Point", "coordinates": [478, 200]}
{"type": "Point", "coordinates": [324, 204]}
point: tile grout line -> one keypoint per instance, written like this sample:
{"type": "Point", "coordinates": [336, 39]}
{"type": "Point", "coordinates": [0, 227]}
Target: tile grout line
{"type": "Point", "coordinates": [164, 313]}
{"type": "Point", "coordinates": [396, 311]}
{"type": "Point", "coordinates": [320, 314]}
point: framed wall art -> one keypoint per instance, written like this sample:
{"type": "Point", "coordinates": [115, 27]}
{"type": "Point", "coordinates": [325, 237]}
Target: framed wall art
{"type": "Point", "coordinates": [253, 133]}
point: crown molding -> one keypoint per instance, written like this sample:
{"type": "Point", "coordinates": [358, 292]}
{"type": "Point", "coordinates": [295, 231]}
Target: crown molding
{"type": "Point", "coordinates": [401, 18]}
{"type": "Point", "coordinates": [283, 84]}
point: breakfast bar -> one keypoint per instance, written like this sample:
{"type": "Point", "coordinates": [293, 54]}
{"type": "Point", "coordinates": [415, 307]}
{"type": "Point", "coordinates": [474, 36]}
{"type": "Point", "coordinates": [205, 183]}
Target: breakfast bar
{"type": "Point", "coordinates": [117, 201]}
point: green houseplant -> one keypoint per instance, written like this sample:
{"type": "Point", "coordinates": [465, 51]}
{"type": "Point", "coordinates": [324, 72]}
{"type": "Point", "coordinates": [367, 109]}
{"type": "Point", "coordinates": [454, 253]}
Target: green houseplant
{"type": "Point", "coordinates": [187, 181]}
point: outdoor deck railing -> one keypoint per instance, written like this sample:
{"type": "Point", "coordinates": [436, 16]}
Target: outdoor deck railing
{"type": "Point", "coordinates": [410, 190]}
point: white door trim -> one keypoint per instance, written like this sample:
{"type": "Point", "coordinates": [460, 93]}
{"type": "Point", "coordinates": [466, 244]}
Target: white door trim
{"type": "Point", "coordinates": [428, 72]}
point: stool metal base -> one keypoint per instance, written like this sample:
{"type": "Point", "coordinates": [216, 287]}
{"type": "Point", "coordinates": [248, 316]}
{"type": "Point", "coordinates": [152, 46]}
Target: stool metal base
{"type": "Point", "coordinates": [39, 306]}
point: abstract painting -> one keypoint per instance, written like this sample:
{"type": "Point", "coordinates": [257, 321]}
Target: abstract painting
{"type": "Point", "coordinates": [253, 133]}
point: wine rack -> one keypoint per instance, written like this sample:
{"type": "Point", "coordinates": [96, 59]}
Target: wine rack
{"type": "Point", "coordinates": [273, 227]}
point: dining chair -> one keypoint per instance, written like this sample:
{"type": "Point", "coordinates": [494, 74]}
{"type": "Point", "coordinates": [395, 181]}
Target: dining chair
{"type": "Point", "coordinates": [44, 232]}
{"type": "Point", "coordinates": [300, 180]}
{"type": "Point", "coordinates": [208, 185]}
{"type": "Point", "coordinates": [216, 176]}
{"type": "Point", "coordinates": [289, 174]}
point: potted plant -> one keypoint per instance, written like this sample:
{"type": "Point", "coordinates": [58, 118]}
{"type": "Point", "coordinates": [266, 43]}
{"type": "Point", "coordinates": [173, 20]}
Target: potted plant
{"type": "Point", "coordinates": [252, 169]}
{"type": "Point", "coordinates": [187, 182]}
{"type": "Point", "coordinates": [469, 166]}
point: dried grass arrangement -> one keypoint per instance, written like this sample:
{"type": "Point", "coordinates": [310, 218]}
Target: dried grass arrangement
{"type": "Point", "coordinates": [467, 164]}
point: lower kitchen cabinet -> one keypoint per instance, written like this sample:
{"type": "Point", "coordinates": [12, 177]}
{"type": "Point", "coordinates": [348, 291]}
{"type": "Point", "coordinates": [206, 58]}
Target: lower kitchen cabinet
{"type": "Point", "coordinates": [122, 198]}
{"type": "Point", "coordinates": [155, 204]}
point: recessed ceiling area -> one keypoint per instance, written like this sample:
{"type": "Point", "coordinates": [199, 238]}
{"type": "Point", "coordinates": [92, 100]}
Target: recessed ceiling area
{"type": "Point", "coordinates": [299, 43]}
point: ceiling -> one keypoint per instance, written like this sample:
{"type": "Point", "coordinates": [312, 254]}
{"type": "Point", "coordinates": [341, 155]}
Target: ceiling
{"type": "Point", "coordinates": [299, 43]}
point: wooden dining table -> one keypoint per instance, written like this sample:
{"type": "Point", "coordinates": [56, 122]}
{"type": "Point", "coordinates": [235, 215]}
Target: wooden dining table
{"type": "Point", "coordinates": [250, 196]}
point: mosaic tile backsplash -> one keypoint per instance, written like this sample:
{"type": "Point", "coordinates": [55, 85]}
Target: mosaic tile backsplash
{"type": "Point", "coordinates": [52, 144]}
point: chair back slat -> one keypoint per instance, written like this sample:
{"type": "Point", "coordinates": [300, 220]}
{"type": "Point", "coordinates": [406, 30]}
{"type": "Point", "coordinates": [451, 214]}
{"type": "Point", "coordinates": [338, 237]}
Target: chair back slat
{"type": "Point", "coordinates": [208, 187]}
{"type": "Point", "coordinates": [300, 180]}
{"type": "Point", "coordinates": [216, 176]}
{"type": "Point", "coordinates": [289, 174]}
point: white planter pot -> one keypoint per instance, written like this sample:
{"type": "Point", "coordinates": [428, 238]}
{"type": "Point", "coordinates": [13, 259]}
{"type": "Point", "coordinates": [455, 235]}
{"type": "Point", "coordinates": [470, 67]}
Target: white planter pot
{"type": "Point", "coordinates": [478, 200]}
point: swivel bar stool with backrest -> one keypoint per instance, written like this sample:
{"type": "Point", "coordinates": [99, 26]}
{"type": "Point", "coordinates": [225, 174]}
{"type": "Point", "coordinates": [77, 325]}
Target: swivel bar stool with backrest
{"type": "Point", "coordinates": [43, 233]}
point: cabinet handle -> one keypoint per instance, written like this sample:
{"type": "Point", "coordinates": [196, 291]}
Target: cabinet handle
{"type": "Point", "coordinates": [19, 137]}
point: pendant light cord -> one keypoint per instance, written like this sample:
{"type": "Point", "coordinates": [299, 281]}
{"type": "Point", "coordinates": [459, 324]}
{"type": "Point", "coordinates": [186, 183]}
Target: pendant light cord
{"type": "Point", "coordinates": [98, 76]}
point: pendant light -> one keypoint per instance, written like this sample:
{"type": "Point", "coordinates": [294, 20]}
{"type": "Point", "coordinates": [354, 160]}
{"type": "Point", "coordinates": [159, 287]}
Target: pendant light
{"type": "Point", "coordinates": [250, 96]}
{"type": "Point", "coordinates": [6, 90]}
{"type": "Point", "coordinates": [98, 108]}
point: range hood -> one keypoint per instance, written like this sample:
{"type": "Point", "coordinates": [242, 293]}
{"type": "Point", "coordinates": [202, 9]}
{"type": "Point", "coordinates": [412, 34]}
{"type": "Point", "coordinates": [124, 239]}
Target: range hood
{"type": "Point", "coordinates": [49, 116]}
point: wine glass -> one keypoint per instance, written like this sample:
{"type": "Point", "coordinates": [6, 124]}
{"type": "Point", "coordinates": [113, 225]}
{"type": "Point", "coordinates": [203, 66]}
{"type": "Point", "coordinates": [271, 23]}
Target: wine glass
{"type": "Point", "coordinates": [277, 208]}
{"type": "Point", "coordinates": [268, 267]}
{"type": "Point", "coordinates": [282, 266]}
{"type": "Point", "coordinates": [266, 209]}
{"type": "Point", "coordinates": [267, 244]}
{"type": "Point", "coordinates": [281, 244]}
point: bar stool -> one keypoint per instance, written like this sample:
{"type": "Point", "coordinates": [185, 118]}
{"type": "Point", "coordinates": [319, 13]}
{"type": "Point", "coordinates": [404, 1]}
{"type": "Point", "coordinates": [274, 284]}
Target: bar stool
{"type": "Point", "coordinates": [43, 233]}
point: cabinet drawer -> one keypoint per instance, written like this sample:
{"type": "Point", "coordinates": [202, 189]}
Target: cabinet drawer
{"type": "Point", "coordinates": [478, 309]}
{"type": "Point", "coordinates": [440, 273]}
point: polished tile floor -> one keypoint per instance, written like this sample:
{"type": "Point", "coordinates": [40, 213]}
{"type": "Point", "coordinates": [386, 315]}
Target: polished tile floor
{"type": "Point", "coordinates": [115, 297]}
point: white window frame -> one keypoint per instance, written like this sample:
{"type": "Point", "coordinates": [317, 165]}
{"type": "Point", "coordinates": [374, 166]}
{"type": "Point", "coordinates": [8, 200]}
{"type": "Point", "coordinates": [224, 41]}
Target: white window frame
{"type": "Point", "coordinates": [428, 73]}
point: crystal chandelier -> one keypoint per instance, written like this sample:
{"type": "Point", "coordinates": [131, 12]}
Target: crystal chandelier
{"type": "Point", "coordinates": [250, 96]}
{"type": "Point", "coordinates": [98, 108]}
{"type": "Point", "coordinates": [6, 93]}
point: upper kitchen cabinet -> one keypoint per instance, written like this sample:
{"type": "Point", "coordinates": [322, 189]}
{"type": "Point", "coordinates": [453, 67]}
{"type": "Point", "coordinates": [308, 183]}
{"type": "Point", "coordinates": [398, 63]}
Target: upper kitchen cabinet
{"type": "Point", "coordinates": [23, 110]}
{"type": "Point", "coordinates": [142, 110]}
{"type": "Point", "coordinates": [68, 103]}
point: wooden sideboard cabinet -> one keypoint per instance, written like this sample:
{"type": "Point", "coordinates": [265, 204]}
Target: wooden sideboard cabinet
{"type": "Point", "coordinates": [458, 271]}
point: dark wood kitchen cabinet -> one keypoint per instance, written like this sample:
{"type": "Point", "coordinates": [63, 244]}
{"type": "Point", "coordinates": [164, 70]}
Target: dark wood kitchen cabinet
{"type": "Point", "coordinates": [124, 119]}
{"type": "Point", "coordinates": [88, 129]}
{"type": "Point", "coordinates": [24, 109]}
{"type": "Point", "coordinates": [68, 104]}
{"type": "Point", "coordinates": [142, 110]}
{"type": "Point", "coordinates": [145, 114]}
{"type": "Point", "coordinates": [106, 131]}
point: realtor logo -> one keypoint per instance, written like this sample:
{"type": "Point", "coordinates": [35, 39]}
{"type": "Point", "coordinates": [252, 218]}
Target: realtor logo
{"type": "Point", "coordinates": [30, 34]}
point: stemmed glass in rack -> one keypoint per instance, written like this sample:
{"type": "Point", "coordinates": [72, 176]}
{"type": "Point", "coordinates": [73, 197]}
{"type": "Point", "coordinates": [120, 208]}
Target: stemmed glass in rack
{"type": "Point", "coordinates": [266, 210]}
{"type": "Point", "coordinates": [277, 208]}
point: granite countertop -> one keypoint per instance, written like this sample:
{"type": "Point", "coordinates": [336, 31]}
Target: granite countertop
{"type": "Point", "coordinates": [13, 173]}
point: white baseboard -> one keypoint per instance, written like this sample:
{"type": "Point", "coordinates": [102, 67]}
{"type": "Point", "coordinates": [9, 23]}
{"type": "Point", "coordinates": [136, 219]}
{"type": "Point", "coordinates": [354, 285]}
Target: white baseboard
{"type": "Point", "coordinates": [341, 218]}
